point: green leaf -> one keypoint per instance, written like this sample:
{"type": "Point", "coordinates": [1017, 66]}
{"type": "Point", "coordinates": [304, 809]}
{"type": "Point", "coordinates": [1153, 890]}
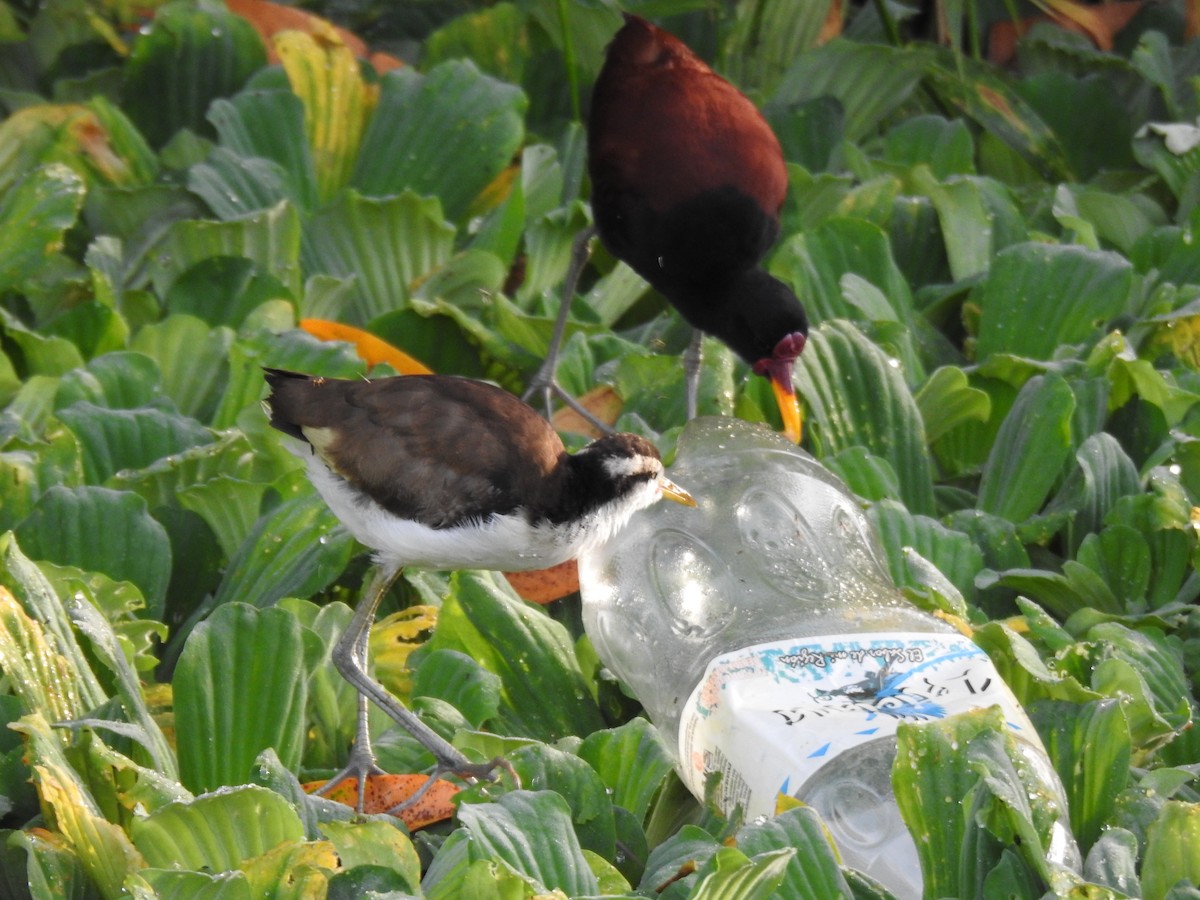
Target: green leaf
{"type": "Point", "coordinates": [954, 554]}
{"type": "Point", "coordinates": [817, 261]}
{"type": "Point", "coordinates": [1172, 850]}
{"type": "Point", "coordinates": [947, 400]}
{"type": "Point", "coordinates": [101, 530]}
{"type": "Point", "coordinates": [185, 58]}
{"type": "Point", "coordinates": [813, 872]}
{"type": "Point", "coordinates": [1090, 746]}
{"type": "Point", "coordinates": [544, 694]}
{"type": "Point", "coordinates": [34, 218]}
{"type": "Point", "coordinates": [217, 832]}
{"type": "Point", "coordinates": [530, 831]}
{"type": "Point", "coordinates": [270, 239]}
{"type": "Point", "coordinates": [856, 397]}
{"type": "Point", "coordinates": [1071, 293]}
{"type": "Point", "coordinates": [633, 762]}
{"type": "Point", "coordinates": [766, 38]}
{"type": "Point", "coordinates": [293, 551]}
{"type": "Point", "coordinates": [192, 357]}
{"type": "Point", "coordinates": [375, 843]}
{"type": "Point", "coordinates": [240, 688]}
{"type": "Point", "coordinates": [869, 80]}
{"type": "Point", "coordinates": [1103, 475]}
{"type": "Point", "coordinates": [387, 244]}
{"type": "Point", "coordinates": [576, 782]}
{"type": "Point", "coordinates": [1033, 443]}
{"type": "Point", "coordinates": [460, 681]}
{"type": "Point", "coordinates": [737, 877]}
{"type": "Point", "coordinates": [944, 145]}
{"type": "Point", "coordinates": [115, 439]}
{"type": "Point", "coordinates": [446, 134]}
{"type": "Point", "coordinates": [268, 125]}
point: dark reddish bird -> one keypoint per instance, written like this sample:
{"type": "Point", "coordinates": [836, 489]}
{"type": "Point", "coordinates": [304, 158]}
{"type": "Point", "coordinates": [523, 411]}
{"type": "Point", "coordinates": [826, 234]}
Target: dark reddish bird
{"type": "Point", "coordinates": [687, 183]}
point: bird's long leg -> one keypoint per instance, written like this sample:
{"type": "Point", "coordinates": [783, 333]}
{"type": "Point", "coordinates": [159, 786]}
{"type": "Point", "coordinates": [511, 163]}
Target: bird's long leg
{"type": "Point", "coordinates": [350, 657]}
{"type": "Point", "coordinates": [361, 764]}
{"type": "Point", "coordinates": [544, 381]}
{"type": "Point", "coordinates": [693, 356]}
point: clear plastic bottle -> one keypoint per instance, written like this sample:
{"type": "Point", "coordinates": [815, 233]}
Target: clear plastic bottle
{"type": "Point", "coordinates": [766, 611]}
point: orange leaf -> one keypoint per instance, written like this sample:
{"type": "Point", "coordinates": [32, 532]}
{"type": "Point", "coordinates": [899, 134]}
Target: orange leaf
{"type": "Point", "coordinates": [373, 350]}
{"type": "Point", "coordinates": [382, 792]}
{"type": "Point", "coordinates": [546, 585]}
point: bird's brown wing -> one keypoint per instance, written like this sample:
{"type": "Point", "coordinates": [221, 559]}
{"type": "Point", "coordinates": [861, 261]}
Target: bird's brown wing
{"type": "Point", "coordinates": [435, 449]}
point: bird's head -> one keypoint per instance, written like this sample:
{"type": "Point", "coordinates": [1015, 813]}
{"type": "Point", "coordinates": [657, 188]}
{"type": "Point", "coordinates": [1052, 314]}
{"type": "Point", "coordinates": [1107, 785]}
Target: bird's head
{"type": "Point", "coordinates": [769, 332]}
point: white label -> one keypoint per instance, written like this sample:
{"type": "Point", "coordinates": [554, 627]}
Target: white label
{"type": "Point", "coordinates": [769, 716]}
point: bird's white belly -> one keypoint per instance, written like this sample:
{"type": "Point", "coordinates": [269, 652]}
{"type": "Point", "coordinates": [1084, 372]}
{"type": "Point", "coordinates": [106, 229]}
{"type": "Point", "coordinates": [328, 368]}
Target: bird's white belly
{"type": "Point", "coordinates": [508, 543]}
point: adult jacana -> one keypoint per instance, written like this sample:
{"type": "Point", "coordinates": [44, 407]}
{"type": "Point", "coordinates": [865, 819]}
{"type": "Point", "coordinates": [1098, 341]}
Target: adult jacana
{"type": "Point", "coordinates": [687, 183]}
{"type": "Point", "coordinates": [442, 472]}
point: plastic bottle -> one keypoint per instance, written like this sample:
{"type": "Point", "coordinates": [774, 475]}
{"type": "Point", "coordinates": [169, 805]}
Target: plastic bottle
{"type": "Point", "coordinates": [768, 610]}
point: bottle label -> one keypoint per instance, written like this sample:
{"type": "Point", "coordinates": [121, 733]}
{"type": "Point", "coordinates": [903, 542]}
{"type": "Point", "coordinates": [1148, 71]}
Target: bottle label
{"type": "Point", "coordinates": [768, 717]}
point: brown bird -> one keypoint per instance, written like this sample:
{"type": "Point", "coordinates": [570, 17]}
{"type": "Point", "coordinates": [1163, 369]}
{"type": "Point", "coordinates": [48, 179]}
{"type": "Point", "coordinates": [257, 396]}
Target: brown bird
{"type": "Point", "coordinates": [442, 472]}
{"type": "Point", "coordinates": [687, 183]}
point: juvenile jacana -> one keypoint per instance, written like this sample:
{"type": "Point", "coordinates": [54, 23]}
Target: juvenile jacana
{"type": "Point", "coordinates": [687, 183]}
{"type": "Point", "coordinates": [443, 472]}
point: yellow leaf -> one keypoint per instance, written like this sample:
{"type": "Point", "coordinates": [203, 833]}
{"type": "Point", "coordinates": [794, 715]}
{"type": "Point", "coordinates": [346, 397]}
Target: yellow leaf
{"type": "Point", "coordinates": [39, 675]}
{"type": "Point", "coordinates": [325, 75]}
{"type": "Point", "coordinates": [393, 639]}
{"type": "Point", "coordinates": [103, 848]}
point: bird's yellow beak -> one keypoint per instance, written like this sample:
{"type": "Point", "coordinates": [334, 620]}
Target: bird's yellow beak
{"type": "Point", "coordinates": [789, 409]}
{"type": "Point", "coordinates": [672, 491]}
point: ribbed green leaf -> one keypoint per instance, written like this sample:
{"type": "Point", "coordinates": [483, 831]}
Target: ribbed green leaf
{"type": "Point", "coordinates": [1090, 747]}
{"type": "Point", "coordinates": [576, 782]}
{"type": "Point", "coordinates": [235, 186]}
{"type": "Point", "coordinates": [271, 239]}
{"type": "Point", "coordinates": [294, 551]}
{"type": "Point", "coordinates": [737, 877]}
{"type": "Point", "coordinates": [1120, 556]}
{"type": "Point", "coordinates": [944, 145]}
{"type": "Point", "coordinates": [116, 380]}
{"type": "Point", "coordinates": [40, 602]}
{"type": "Point", "coordinates": [544, 694]}
{"type": "Point", "coordinates": [115, 439]}
{"type": "Point", "coordinates": [191, 355]}
{"type": "Point", "coordinates": [1172, 850]}
{"type": "Point", "coordinates": [328, 79]}
{"type": "Point", "coordinates": [184, 59]}
{"type": "Point", "coordinates": [386, 244]}
{"type": "Point", "coordinates": [865, 474]}
{"type": "Point", "coordinates": [817, 261]}
{"type": "Point", "coordinates": [530, 831]}
{"type": "Point", "coordinates": [1040, 296]}
{"type": "Point", "coordinates": [633, 762]}
{"type": "Point", "coordinates": [953, 553]}
{"type": "Point", "coordinates": [239, 689]}
{"type": "Point", "coordinates": [856, 397]}
{"type": "Point", "coordinates": [813, 872]}
{"type": "Point", "coordinates": [1103, 475]}
{"type": "Point", "coordinates": [1028, 454]}
{"type": "Point", "coordinates": [979, 92]}
{"type": "Point", "coordinates": [870, 81]}
{"type": "Point", "coordinates": [198, 885]}
{"type": "Point", "coordinates": [766, 38]}
{"type": "Point", "coordinates": [269, 125]}
{"type": "Point", "coordinates": [446, 134]}
{"type": "Point", "coordinates": [101, 530]}
{"type": "Point", "coordinates": [34, 218]}
{"type": "Point", "coordinates": [946, 400]}
{"type": "Point", "coordinates": [216, 832]}
{"type": "Point", "coordinates": [460, 681]}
